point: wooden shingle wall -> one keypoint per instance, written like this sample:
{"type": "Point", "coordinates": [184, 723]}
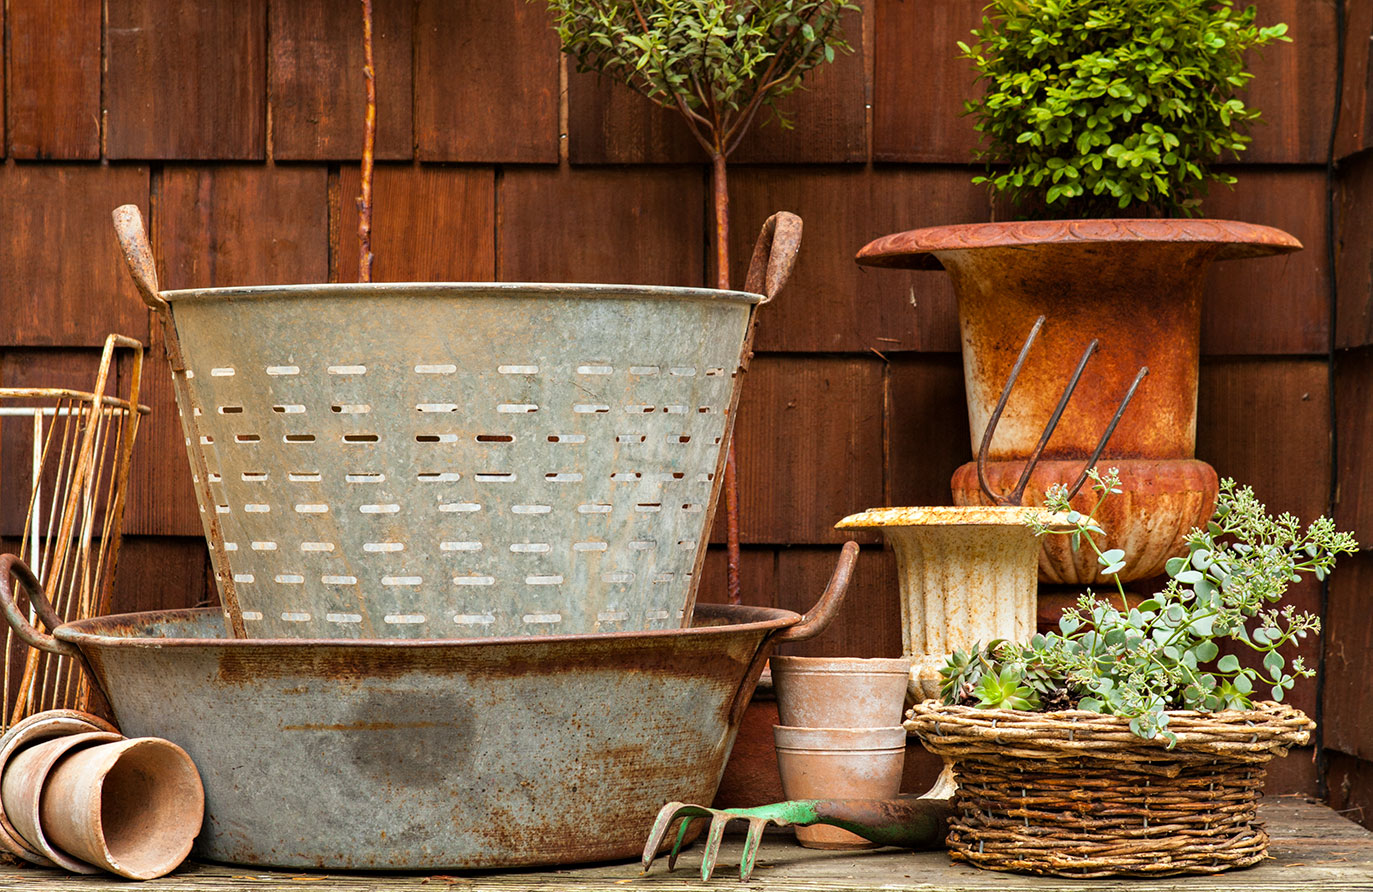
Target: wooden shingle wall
{"type": "Point", "coordinates": [236, 126]}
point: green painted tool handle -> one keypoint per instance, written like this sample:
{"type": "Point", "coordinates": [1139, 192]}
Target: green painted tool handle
{"type": "Point", "coordinates": [906, 822]}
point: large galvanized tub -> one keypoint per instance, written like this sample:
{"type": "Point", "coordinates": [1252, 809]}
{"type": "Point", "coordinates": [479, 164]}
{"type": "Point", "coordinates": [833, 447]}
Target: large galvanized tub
{"type": "Point", "coordinates": [456, 460]}
{"type": "Point", "coordinates": [421, 755]}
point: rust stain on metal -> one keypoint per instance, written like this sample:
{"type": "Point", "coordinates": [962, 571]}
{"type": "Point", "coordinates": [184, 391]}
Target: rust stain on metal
{"type": "Point", "coordinates": [359, 726]}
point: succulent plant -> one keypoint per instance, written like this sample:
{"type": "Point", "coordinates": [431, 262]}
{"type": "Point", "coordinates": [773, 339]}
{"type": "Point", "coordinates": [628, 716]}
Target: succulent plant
{"type": "Point", "coordinates": [1165, 652]}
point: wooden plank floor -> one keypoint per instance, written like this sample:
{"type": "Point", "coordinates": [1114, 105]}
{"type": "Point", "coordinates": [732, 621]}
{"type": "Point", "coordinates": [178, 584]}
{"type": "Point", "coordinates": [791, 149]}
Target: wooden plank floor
{"type": "Point", "coordinates": [1313, 848]}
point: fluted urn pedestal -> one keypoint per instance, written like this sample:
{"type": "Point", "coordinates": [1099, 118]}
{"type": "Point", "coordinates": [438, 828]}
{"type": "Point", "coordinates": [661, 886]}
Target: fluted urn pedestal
{"type": "Point", "coordinates": [967, 576]}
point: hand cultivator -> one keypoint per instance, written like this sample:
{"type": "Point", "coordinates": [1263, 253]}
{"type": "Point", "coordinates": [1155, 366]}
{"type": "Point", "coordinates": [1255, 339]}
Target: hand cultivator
{"type": "Point", "coordinates": [909, 822]}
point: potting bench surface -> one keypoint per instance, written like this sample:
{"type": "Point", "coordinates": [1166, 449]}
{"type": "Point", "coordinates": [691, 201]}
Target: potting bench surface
{"type": "Point", "coordinates": [1313, 848]}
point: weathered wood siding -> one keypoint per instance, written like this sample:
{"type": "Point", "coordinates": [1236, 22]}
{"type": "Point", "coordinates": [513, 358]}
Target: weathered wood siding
{"type": "Point", "coordinates": [236, 127]}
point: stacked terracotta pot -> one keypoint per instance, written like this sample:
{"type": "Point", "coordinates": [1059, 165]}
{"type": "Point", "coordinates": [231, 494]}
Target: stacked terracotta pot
{"type": "Point", "coordinates": [77, 795]}
{"type": "Point", "coordinates": [840, 736]}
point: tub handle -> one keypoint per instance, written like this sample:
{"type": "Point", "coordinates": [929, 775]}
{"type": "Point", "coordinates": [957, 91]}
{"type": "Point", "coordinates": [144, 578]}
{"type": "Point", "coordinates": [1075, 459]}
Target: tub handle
{"type": "Point", "coordinates": [138, 254]}
{"type": "Point", "coordinates": [11, 565]}
{"type": "Point", "coordinates": [774, 255]}
{"type": "Point", "coordinates": [817, 619]}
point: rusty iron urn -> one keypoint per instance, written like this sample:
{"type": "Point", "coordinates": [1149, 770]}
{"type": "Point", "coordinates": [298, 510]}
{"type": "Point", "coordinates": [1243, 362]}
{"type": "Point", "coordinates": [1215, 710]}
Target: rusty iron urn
{"type": "Point", "coordinates": [1134, 284]}
{"type": "Point", "coordinates": [1127, 293]}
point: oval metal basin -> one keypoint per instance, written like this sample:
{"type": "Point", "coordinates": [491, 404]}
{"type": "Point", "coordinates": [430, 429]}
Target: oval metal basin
{"type": "Point", "coordinates": [417, 755]}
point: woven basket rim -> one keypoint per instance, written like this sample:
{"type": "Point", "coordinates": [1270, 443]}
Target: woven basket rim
{"type": "Point", "coordinates": [1269, 727]}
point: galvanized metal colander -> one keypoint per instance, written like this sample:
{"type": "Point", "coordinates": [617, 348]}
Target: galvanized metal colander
{"type": "Point", "coordinates": [457, 460]}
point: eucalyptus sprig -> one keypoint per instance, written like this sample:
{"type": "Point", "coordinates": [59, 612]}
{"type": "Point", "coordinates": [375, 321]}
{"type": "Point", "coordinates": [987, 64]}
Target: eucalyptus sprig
{"type": "Point", "coordinates": [1097, 106]}
{"type": "Point", "coordinates": [1164, 653]}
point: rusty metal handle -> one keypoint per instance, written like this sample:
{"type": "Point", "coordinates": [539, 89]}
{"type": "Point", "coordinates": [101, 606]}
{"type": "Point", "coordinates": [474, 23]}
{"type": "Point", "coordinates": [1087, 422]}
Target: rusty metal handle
{"type": "Point", "coordinates": [11, 565]}
{"type": "Point", "coordinates": [138, 254]}
{"type": "Point", "coordinates": [817, 619]}
{"type": "Point", "coordinates": [774, 255]}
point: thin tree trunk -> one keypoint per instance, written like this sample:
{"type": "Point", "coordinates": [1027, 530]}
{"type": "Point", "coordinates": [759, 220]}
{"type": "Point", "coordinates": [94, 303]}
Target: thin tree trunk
{"type": "Point", "coordinates": [720, 189]}
{"type": "Point", "coordinates": [369, 144]}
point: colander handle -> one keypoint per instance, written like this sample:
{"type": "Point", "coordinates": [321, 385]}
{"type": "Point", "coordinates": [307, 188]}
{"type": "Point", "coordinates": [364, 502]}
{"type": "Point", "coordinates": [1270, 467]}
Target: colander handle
{"type": "Point", "coordinates": [138, 254]}
{"type": "Point", "coordinates": [774, 255]}
{"type": "Point", "coordinates": [11, 565]}
{"type": "Point", "coordinates": [818, 617]}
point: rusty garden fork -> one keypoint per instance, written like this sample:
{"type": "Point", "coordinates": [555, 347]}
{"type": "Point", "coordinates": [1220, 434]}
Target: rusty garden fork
{"type": "Point", "coordinates": [1017, 494]}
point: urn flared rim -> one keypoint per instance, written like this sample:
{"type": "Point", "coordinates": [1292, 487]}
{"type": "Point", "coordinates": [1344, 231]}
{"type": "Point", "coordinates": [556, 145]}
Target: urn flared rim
{"type": "Point", "coordinates": [920, 248]}
{"type": "Point", "coordinates": [949, 515]}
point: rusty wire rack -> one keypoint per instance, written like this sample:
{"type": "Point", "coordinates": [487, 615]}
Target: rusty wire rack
{"type": "Point", "coordinates": [75, 448]}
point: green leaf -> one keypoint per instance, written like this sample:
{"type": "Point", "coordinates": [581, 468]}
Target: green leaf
{"type": "Point", "coordinates": [1274, 663]}
{"type": "Point", "coordinates": [1228, 663]}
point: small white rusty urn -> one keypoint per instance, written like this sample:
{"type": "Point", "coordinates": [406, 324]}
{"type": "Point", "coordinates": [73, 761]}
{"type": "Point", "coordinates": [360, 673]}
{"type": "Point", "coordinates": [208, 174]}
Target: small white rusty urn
{"type": "Point", "coordinates": [968, 575]}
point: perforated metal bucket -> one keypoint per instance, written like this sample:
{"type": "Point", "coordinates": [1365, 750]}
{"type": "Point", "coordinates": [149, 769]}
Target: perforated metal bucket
{"type": "Point", "coordinates": [439, 461]}
{"type": "Point", "coordinates": [457, 460]}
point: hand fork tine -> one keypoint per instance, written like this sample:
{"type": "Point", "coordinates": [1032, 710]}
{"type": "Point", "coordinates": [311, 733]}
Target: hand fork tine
{"type": "Point", "coordinates": [712, 849]}
{"type": "Point", "coordinates": [753, 841]}
{"type": "Point", "coordinates": [667, 816]}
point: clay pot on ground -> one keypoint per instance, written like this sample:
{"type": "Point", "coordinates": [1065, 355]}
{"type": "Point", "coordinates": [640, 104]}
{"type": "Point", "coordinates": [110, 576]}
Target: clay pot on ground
{"type": "Point", "coordinates": [1133, 285]}
{"type": "Point", "coordinates": [751, 776]}
{"type": "Point", "coordinates": [132, 807]}
{"type": "Point", "coordinates": [967, 575]}
{"type": "Point", "coordinates": [24, 786]}
{"type": "Point", "coordinates": [839, 763]}
{"type": "Point", "coordinates": [28, 732]}
{"type": "Point", "coordinates": [840, 692]}
{"type": "Point", "coordinates": [79, 796]}
{"type": "Point", "coordinates": [1161, 503]}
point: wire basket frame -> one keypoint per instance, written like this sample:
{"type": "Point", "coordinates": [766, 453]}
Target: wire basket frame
{"type": "Point", "coordinates": [76, 447]}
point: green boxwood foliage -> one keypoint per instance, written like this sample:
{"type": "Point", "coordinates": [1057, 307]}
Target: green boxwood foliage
{"type": "Point", "coordinates": [1098, 107]}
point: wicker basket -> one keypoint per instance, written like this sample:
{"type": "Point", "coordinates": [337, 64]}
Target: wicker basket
{"type": "Point", "coordinates": [1076, 794]}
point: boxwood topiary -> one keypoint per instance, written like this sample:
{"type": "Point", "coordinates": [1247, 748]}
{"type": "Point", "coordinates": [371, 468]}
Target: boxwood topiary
{"type": "Point", "coordinates": [1094, 107]}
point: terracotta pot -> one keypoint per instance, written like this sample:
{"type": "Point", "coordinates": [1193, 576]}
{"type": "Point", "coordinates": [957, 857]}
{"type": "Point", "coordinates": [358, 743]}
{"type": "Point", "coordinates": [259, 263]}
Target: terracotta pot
{"type": "Point", "coordinates": [1136, 285]}
{"type": "Point", "coordinates": [132, 808]}
{"type": "Point", "coordinates": [840, 692]}
{"type": "Point", "coordinates": [839, 763]}
{"type": "Point", "coordinates": [1163, 500]}
{"type": "Point", "coordinates": [967, 575]}
{"type": "Point", "coordinates": [41, 726]}
{"type": "Point", "coordinates": [22, 788]}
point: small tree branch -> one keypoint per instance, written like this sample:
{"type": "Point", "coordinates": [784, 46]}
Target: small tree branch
{"type": "Point", "coordinates": [369, 144]}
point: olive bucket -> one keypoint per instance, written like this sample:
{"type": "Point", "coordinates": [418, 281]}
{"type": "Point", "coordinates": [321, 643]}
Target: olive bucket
{"type": "Point", "coordinates": [457, 460]}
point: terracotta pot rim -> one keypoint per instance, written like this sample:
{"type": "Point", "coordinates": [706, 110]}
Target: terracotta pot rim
{"type": "Point", "coordinates": [59, 748]}
{"type": "Point", "coordinates": [919, 248]}
{"type": "Point", "coordinates": [839, 740]}
{"type": "Point", "coordinates": [841, 665]}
